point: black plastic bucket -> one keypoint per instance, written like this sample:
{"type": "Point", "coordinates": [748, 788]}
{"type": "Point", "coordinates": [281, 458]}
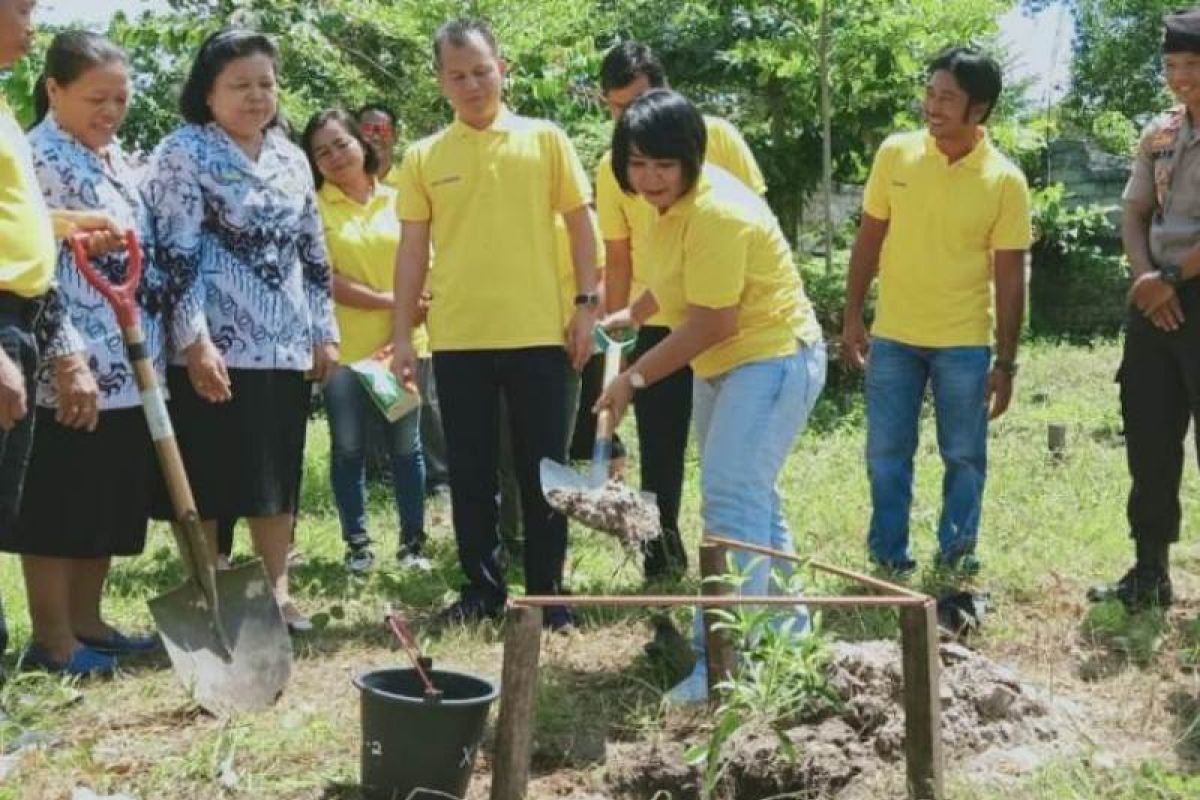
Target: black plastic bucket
{"type": "Point", "coordinates": [410, 743]}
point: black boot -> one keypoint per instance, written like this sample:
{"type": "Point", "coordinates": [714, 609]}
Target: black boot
{"type": "Point", "coordinates": [1146, 585]}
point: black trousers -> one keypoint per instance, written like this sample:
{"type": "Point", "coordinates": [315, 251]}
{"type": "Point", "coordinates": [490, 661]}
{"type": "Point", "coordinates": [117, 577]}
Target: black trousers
{"type": "Point", "coordinates": [664, 414]}
{"type": "Point", "coordinates": [20, 344]}
{"type": "Point", "coordinates": [1160, 395]}
{"type": "Point", "coordinates": [583, 432]}
{"type": "Point", "coordinates": [470, 385]}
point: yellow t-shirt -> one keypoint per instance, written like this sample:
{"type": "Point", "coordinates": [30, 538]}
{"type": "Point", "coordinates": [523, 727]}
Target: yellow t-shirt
{"type": "Point", "coordinates": [944, 222]}
{"type": "Point", "coordinates": [628, 216]}
{"type": "Point", "coordinates": [362, 242]}
{"type": "Point", "coordinates": [566, 265]}
{"type": "Point", "coordinates": [491, 197]}
{"type": "Point", "coordinates": [720, 246]}
{"type": "Point", "coordinates": [28, 250]}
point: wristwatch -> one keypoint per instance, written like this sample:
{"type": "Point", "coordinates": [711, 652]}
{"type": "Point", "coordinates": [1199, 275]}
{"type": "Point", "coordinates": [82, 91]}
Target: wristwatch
{"type": "Point", "coordinates": [637, 380]}
{"type": "Point", "coordinates": [1005, 366]}
{"type": "Point", "coordinates": [589, 300]}
{"type": "Point", "coordinates": [1172, 274]}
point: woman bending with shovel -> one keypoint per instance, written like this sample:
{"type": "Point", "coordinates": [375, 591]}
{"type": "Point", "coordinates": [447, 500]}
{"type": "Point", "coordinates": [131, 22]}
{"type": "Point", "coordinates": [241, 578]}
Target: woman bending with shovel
{"type": "Point", "coordinates": [725, 283]}
{"type": "Point", "coordinates": [86, 495]}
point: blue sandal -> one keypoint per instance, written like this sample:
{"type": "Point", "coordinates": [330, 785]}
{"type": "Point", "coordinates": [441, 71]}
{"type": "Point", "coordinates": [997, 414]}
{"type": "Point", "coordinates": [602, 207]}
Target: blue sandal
{"type": "Point", "coordinates": [83, 662]}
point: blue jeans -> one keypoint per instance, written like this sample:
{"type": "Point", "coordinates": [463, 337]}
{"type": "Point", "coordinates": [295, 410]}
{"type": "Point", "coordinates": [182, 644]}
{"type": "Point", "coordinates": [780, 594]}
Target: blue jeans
{"type": "Point", "coordinates": [347, 405]}
{"type": "Point", "coordinates": [746, 423]}
{"type": "Point", "coordinates": [896, 378]}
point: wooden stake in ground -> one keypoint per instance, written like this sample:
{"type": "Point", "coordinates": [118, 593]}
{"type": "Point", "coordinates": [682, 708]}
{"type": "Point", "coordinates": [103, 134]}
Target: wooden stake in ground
{"type": "Point", "coordinates": [518, 699]}
{"type": "Point", "coordinates": [720, 655]}
{"type": "Point", "coordinates": [922, 701]}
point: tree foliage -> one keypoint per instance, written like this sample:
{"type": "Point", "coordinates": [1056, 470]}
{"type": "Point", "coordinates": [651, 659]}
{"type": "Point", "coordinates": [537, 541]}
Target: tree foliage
{"type": "Point", "coordinates": [1116, 70]}
{"type": "Point", "coordinates": [754, 61]}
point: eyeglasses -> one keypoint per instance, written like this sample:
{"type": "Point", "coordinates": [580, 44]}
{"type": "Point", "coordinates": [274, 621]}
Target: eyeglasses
{"type": "Point", "coordinates": [376, 128]}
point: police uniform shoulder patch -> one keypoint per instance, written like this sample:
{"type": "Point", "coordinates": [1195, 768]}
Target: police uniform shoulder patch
{"type": "Point", "coordinates": [1166, 128]}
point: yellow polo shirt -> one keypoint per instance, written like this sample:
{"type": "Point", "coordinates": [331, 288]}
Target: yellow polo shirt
{"type": "Point", "coordinates": [362, 242]}
{"type": "Point", "coordinates": [491, 197]}
{"type": "Point", "coordinates": [720, 246]}
{"type": "Point", "coordinates": [628, 216]}
{"type": "Point", "coordinates": [28, 250]}
{"type": "Point", "coordinates": [944, 222]}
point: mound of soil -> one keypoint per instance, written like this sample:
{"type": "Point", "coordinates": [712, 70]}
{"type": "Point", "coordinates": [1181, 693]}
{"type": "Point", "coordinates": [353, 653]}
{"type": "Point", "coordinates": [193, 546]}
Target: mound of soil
{"type": "Point", "coordinates": [985, 707]}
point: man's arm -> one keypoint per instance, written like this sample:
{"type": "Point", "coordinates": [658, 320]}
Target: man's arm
{"type": "Point", "coordinates": [618, 273]}
{"type": "Point", "coordinates": [864, 264]}
{"type": "Point", "coordinates": [412, 267]}
{"type": "Point", "coordinates": [1152, 295]}
{"type": "Point", "coordinates": [1008, 270]}
{"type": "Point", "coordinates": [583, 258]}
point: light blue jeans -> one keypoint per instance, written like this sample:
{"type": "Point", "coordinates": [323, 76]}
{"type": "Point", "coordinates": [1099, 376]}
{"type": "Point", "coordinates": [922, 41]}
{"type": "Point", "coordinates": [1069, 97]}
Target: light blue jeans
{"type": "Point", "coordinates": [746, 422]}
{"type": "Point", "coordinates": [896, 378]}
{"type": "Point", "coordinates": [348, 407]}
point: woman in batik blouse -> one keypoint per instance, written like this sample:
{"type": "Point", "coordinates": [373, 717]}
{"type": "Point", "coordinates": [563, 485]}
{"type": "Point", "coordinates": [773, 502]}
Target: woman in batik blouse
{"type": "Point", "coordinates": [87, 489]}
{"type": "Point", "coordinates": [240, 239]}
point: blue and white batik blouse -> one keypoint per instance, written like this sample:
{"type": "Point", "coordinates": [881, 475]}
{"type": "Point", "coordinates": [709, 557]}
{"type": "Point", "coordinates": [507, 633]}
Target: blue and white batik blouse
{"type": "Point", "coordinates": [76, 178]}
{"type": "Point", "coordinates": [242, 245]}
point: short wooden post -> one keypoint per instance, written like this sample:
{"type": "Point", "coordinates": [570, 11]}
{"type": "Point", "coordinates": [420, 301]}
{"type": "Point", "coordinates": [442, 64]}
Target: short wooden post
{"type": "Point", "coordinates": [922, 701]}
{"type": "Point", "coordinates": [518, 699]}
{"type": "Point", "coordinates": [1056, 439]}
{"type": "Point", "coordinates": [720, 655]}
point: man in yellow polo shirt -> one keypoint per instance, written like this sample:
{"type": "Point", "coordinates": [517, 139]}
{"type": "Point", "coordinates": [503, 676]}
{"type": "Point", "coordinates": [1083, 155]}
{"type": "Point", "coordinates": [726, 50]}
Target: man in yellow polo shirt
{"type": "Point", "coordinates": [27, 259]}
{"type": "Point", "coordinates": [484, 192]}
{"type": "Point", "coordinates": [946, 225]}
{"type": "Point", "coordinates": [664, 411]}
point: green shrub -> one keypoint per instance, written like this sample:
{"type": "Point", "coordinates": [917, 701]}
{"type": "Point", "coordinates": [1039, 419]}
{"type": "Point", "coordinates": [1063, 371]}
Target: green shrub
{"type": "Point", "coordinates": [1079, 273]}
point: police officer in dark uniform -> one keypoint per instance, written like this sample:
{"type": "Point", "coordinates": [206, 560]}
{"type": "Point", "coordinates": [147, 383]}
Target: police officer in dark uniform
{"type": "Point", "coordinates": [1160, 368]}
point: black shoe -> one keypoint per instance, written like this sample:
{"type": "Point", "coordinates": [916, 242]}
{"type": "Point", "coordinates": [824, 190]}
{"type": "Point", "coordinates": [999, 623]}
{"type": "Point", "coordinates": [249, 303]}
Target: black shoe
{"type": "Point", "coordinates": [964, 563]}
{"type": "Point", "coordinates": [468, 611]}
{"type": "Point", "coordinates": [558, 619]}
{"type": "Point", "coordinates": [894, 570]}
{"type": "Point", "coordinates": [1141, 588]}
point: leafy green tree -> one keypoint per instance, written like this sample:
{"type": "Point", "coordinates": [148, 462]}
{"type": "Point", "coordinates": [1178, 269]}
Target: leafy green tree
{"type": "Point", "coordinates": [754, 61]}
{"type": "Point", "coordinates": [1116, 69]}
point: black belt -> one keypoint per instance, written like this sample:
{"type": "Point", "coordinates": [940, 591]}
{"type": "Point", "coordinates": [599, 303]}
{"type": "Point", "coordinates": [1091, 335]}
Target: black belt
{"type": "Point", "coordinates": [28, 309]}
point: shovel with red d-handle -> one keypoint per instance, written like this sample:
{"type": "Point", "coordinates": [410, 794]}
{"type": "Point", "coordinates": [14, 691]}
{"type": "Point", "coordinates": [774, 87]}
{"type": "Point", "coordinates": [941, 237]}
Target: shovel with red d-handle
{"type": "Point", "coordinates": [223, 630]}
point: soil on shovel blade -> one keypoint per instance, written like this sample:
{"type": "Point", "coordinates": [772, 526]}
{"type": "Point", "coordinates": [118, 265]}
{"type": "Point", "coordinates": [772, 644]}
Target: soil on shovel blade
{"type": "Point", "coordinates": [615, 508]}
{"type": "Point", "coordinates": [988, 713]}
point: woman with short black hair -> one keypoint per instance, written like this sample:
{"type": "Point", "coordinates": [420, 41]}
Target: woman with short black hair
{"type": "Point", "coordinates": [725, 283]}
{"type": "Point", "coordinates": [240, 237]}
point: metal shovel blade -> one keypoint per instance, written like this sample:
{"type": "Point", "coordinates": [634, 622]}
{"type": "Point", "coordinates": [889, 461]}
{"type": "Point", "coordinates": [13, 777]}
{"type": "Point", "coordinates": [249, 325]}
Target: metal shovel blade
{"type": "Point", "coordinates": [249, 675]}
{"type": "Point", "coordinates": [605, 506]}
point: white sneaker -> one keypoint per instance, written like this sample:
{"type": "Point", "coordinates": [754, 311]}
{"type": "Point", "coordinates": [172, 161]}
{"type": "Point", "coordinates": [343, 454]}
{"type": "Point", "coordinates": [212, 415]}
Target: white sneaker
{"type": "Point", "coordinates": [415, 563]}
{"type": "Point", "coordinates": [692, 690]}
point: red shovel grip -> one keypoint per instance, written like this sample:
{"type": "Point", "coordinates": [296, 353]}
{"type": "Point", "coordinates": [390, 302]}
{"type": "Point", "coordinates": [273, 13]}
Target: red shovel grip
{"type": "Point", "coordinates": [121, 296]}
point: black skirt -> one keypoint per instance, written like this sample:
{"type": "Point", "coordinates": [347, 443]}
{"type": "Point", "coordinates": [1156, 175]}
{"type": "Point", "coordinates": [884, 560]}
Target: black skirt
{"type": "Point", "coordinates": [86, 495]}
{"type": "Point", "coordinates": [243, 457]}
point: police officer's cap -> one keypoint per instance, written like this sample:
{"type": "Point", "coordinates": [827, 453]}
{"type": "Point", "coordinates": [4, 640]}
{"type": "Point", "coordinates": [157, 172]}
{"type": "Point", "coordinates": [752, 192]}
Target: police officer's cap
{"type": "Point", "coordinates": [1182, 32]}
